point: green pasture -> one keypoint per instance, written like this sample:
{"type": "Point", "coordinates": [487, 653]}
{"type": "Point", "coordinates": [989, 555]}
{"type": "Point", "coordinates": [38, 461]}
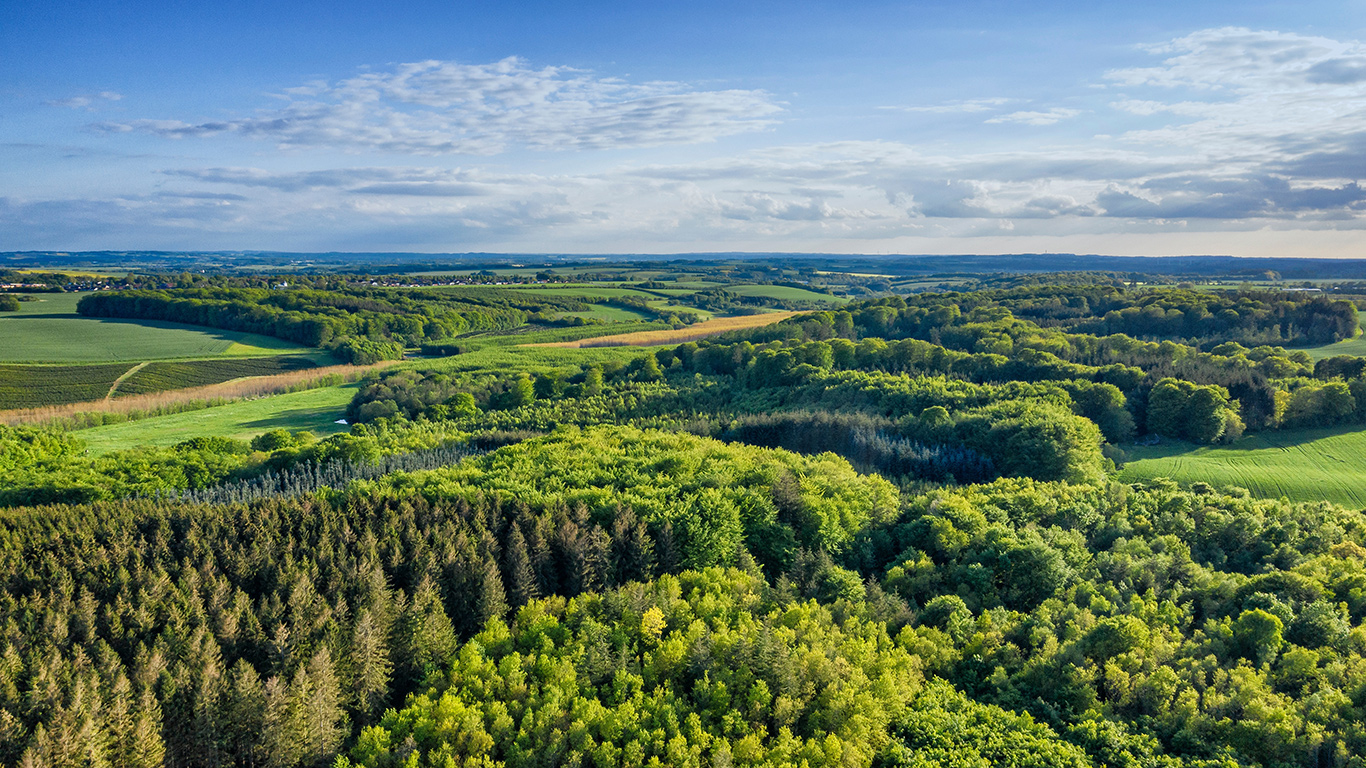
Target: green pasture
{"type": "Point", "coordinates": [1356, 346]}
{"type": "Point", "coordinates": [607, 314]}
{"type": "Point", "coordinates": [317, 409]}
{"type": "Point", "coordinates": [1301, 465]}
{"type": "Point", "coordinates": [594, 291]}
{"type": "Point", "coordinates": [783, 293]}
{"type": "Point", "coordinates": [49, 331]}
{"type": "Point", "coordinates": [314, 410]}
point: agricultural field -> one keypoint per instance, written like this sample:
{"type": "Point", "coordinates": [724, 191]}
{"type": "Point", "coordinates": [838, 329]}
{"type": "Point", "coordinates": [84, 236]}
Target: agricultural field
{"type": "Point", "coordinates": [162, 376]}
{"type": "Point", "coordinates": [34, 386]}
{"type": "Point", "coordinates": [1301, 465]}
{"type": "Point", "coordinates": [315, 410]}
{"type": "Point", "coordinates": [49, 331]}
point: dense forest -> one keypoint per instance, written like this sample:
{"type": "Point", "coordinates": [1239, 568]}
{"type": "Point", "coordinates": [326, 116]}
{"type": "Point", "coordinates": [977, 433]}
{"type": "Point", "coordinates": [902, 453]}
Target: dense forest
{"type": "Point", "coordinates": [724, 603]}
{"type": "Point", "coordinates": [885, 535]}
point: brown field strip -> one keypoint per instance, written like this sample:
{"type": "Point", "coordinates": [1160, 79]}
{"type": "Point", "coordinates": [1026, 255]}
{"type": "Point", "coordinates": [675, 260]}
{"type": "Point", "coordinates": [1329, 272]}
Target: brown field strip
{"type": "Point", "coordinates": [694, 332]}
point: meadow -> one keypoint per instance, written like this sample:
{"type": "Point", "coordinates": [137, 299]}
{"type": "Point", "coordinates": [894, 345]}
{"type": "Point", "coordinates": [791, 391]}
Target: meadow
{"type": "Point", "coordinates": [1300, 465]}
{"type": "Point", "coordinates": [1355, 346]}
{"type": "Point", "coordinates": [314, 410]}
{"type": "Point", "coordinates": [783, 293]}
{"type": "Point", "coordinates": [49, 331]}
{"type": "Point", "coordinates": [676, 336]}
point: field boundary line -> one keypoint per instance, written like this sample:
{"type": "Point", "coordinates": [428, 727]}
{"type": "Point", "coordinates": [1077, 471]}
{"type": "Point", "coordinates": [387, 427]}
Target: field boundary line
{"type": "Point", "coordinates": [115, 386]}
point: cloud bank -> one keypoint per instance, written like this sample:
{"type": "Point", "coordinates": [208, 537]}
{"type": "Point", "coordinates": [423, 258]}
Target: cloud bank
{"type": "Point", "coordinates": [443, 107]}
{"type": "Point", "coordinates": [1228, 133]}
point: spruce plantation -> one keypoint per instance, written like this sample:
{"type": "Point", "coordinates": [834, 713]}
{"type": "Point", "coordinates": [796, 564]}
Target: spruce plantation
{"type": "Point", "coordinates": [706, 513]}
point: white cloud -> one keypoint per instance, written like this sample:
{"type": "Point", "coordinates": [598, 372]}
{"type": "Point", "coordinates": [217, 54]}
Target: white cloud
{"type": "Point", "coordinates": [966, 105]}
{"type": "Point", "coordinates": [1049, 117]}
{"type": "Point", "coordinates": [1230, 131]}
{"type": "Point", "coordinates": [441, 107]}
{"type": "Point", "coordinates": [84, 101]}
{"type": "Point", "coordinates": [1260, 96]}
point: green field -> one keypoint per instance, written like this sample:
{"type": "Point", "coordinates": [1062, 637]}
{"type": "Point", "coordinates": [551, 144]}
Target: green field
{"type": "Point", "coordinates": [595, 291]}
{"type": "Point", "coordinates": [783, 293]}
{"type": "Point", "coordinates": [314, 410]}
{"type": "Point", "coordinates": [33, 386]}
{"type": "Point", "coordinates": [1301, 465]}
{"type": "Point", "coordinates": [607, 314]}
{"type": "Point", "coordinates": [1356, 346]}
{"type": "Point", "coordinates": [50, 331]}
{"type": "Point", "coordinates": [162, 376]}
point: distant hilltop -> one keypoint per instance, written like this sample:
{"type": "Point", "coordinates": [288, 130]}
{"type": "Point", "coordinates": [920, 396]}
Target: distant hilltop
{"type": "Point", "coordinates": [1288, 268]}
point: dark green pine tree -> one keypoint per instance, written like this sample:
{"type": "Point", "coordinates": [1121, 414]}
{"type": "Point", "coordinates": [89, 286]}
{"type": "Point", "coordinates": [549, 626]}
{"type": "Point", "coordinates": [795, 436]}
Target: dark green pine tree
{"type": "Point", "coordinates": [244, 715]}
{"type": "Point", "coordinates": [319, 698]}
{"type": "Point", "coordinates": [283, 729]}
{"type": "Point", "coordinates": [427, 639]}
{"type": "Point", "coordinates": [632, 556]}
{"type": "Point", "coordinates": [522, 586]}
{"type": "Point", "coordinates": [493, 602]}
{"type": "Point", "coordinates": [370, 667]}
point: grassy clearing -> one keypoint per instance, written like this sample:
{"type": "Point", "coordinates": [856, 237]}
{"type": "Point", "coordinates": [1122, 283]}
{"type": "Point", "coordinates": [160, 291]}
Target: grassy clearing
{"type": "Point", "coordinates": [314, 410]}
{"type": "Point", "coordinates": [783, 293]}
{"type": "Point", "coordinates": [530, 359]}
{"type": "Point", "coordinates": [607, 314]}
{"type": "Point", "coordinates": [1356, 346]}
{"type": "Point", "coordinates": [1301, 465]}
{"type": "Point", "coordinates": [580, 290]}
{"type": "Point", "coordinates": [50, 331]}
{"type": "Point", "coordinates": [676, 336]}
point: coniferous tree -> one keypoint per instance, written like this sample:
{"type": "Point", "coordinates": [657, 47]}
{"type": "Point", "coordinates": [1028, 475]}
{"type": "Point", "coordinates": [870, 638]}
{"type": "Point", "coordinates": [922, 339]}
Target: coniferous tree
{"type": "Point", "coordinates": [666, 547]}
{"type": "Point", "coordinates": [521, 579]}
{"type": "Point", "coordinates": [244, 715]}
{"type": "Point", "coordinates": [632, 556]}
{"type": "Point", "coordinates": [427, 640]}
{"type": "Point", "coordinates": [283, 733]}
{"type": "Point", "coordinates": [370, 667]}
{"type": "Point", "coordinates": [320, 700]}
{"type": "Point", "coordinates": [144, 747]}
{"type": "Point", "coordinates": [492, 597]}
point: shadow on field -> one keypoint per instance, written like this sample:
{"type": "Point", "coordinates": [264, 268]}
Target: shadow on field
{"type": "Point", "coordinates": [313, 419]}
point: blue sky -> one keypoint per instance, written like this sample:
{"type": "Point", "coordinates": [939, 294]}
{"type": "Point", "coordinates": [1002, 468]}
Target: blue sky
{"type": "Point", "coordinates": [970, 127]}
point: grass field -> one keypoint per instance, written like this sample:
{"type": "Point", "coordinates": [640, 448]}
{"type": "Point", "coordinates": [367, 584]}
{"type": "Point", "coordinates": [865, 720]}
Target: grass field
{"type": "Point", "coordinates": [595, 291]}
{"type": "Point", "coordinates": [1356, 346]}
{"type": "Point", "coordinates": [784, 293]}
{"type": "Point", "coordinates": [1302, 465]}
{"type": "Point", "coordinates": [676, 336]}
{"type": "Point", "coordinates": [607, 314]}
{"type": "Point", "coordinates": [314, 410]}
{"type": "Point", "coordinates": [50, 331]}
